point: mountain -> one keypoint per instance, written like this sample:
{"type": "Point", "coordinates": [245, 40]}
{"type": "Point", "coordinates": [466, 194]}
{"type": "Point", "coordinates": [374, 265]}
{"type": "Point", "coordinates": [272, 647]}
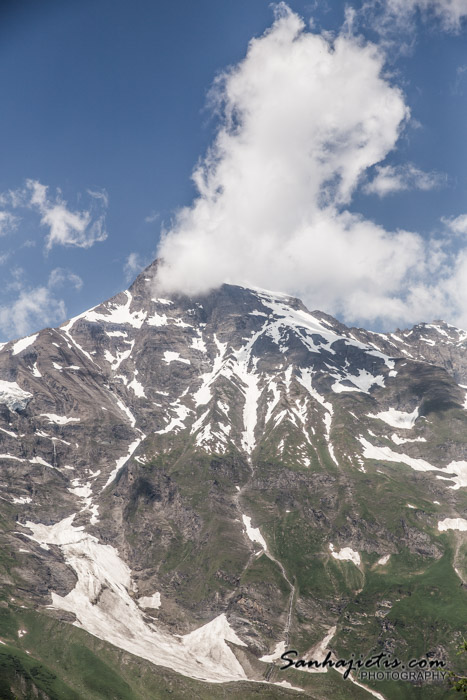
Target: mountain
{"type": "Point", "coordinates": [192, 486]}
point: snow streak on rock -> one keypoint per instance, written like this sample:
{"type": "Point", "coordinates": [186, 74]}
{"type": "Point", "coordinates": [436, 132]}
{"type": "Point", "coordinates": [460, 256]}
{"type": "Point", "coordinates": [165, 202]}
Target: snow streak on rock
{"type": "Point", "coordinates": [59, 420]}
{"type": "Point", "coordinates": [305, 380]}
{"type": "Point", "coordinates": [397, 419]}
{"type": "Point", "coordinates": [455, 471]}
{"type": "Point", "coordinates": [276, 654]}
{"type": "Point", "coordinates": [123, 460]}
{"type": "Point", "coordinates": [253, 533]}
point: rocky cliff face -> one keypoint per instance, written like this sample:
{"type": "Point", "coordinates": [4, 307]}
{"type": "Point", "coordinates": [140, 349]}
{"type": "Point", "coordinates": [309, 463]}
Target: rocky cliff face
{"type": "Point", "coordinates": [219, 479]}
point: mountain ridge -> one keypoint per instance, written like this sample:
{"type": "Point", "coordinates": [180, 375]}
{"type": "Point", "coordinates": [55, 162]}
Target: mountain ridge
{"type": "Point", "coordinates": [144, 434]}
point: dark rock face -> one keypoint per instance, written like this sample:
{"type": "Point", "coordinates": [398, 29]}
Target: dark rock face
{"type": "Point", "coordinates": [238, 456]}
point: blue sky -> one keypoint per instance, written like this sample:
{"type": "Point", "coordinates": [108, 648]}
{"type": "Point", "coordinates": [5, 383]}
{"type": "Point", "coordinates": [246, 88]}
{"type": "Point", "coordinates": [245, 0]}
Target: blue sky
{"type": "Point", "coordinates": [105, 104]}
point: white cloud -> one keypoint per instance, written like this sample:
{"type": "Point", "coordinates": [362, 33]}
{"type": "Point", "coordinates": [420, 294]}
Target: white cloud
{"type": "Point", "coordinates": [133, 266]}
{"type": "Point", "coordinates": [390, 178]}
{"type": "Point", "coordinates": [457, 225]}
{"type": "Point", "coordinates": [59, 276]}
{"type": "Point", "coordinates": [8, 222]}
{"type": "Point", "coordinates": [152, 217]}
{"type": "Point", "coordinates": [100, 195]}
{"type": "Point", "coordinates": [451, 13]}
{"type": "Point", "coordinates": [35, 307]}
{"type": "Point", "coordinates": [303, 118]}
{"type": "Point", "coordinates": [66, 227]}
{"type": "Point", "coordinates": [81, 229]}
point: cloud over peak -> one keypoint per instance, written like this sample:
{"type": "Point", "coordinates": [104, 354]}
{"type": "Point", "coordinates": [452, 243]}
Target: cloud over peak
{"type": "Point", "coordinates": [302, 118]}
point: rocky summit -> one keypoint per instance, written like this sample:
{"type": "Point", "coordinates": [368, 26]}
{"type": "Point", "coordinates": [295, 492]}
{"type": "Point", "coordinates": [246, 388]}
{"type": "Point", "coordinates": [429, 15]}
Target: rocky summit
{"type": "Point", "coordinates": [193, 487]}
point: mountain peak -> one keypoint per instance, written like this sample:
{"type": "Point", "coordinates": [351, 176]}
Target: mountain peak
{"type": "Point", "coordinates": [144, 435]}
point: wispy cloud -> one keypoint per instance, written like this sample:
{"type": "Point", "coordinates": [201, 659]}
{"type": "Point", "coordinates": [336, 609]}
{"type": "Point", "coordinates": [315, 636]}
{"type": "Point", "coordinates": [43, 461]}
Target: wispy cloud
{"type": "Point", "coordinates": [8, 222]}
{"type": "Point", "coordinates": [457, 224]}
{"type": "Point", "coordinates": [34, 307]}
{"type": "Point", "coordinates": [133, 266]}
{"type": "Point", "coordinates": [390, 179]}
{"type": "Point", "coordinates": [81, 229]}
{"type": "Point", "coordinates": [152, 217]}
{"type": "Point", "coordinates": [396, 18]}
{"type": "Point", "coordinates": [450, 13]}
{"type": "Point", "coordinates": [60, 276]}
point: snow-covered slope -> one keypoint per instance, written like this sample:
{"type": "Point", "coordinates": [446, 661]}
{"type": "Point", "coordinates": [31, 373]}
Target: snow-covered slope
{"type": "Point", "coordinates": [182, 451]}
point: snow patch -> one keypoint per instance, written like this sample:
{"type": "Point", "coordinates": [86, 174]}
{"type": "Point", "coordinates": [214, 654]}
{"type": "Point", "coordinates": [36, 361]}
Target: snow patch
{"type": "Point", "coordinates": [9, 432]}
{"type": "Point", "coordinates": [276, 654]}
{"type": "Point", "coordinates": [157, 320]}
{"type": "Point", "coordinates": [116, 313]}
{"type": "Point", "coordinates": [116, 361]}
{"type": "Point", "coordinates": [117, 334]}
{"type": "Point", "coordinates": [198, 344]}
{"type": "Point", "coordinates": [22, 344]}
{"type": "Point", "coordinates": [253, 533]}
{"type": "Point", "coordinates": [397, 419]}
{"type": "Point", "coordinates": [400, 441]}
{"type": "Point", "coordinates": [363, 381]}
{"type": "Point", "coordinates": [103, 606]}
{"type": "Point", "coordinates": [346, 554]}
{"type": "Point", "coordinates": [286, 684]}
{"type": "Point", "coordinates": [59, 420]}
{"type": "Point", "coordinates": [35, 371]}
{"type": "Point", "coordinates": [177, 422]}
{"type": "Point", "coordinates": [174, 357]}
{"type": "Point", "coordinates": [127, 412]}
{"type": "Point", "coordinates": [452, 524]}
{"type": "Point", "coordinates": [13, 396]}
{"type": "Point", "coordinates": [203, 394]}
{"type": "Point", "coordinates": [39, 460]}
{"type": "Point", "coordinates": [455, 471]}
{"type": "Point", "coordinates": [150, 601]}
{"type": "Point", "coordinates": [123, 460]}
{"type": "Point", "coordinates": [384, 560]}
{"type": "Point", "coordinates": [137, 387]}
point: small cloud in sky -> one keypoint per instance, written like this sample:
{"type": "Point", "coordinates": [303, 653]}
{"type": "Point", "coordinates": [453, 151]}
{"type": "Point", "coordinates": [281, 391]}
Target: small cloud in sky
{"type": "Point", "coordinates": [391, 16]}
{"type": "Point", "coordinates": [34, 306]}
{"type": "Point", "coordinates": [153, 216]}
{"type": "Point", "coordinates": [458, 86]}
{"type": "Point", "coordinates": [450, 13]}
{"type": "Point", "coordinates": [301, 124]}
{"type": "Point", "coordinates": [100, 195]}
{"type": "Point", "coordinates": [68, 228]}
{"type": "Point", "coordinates": [457, 225]}
{"type": "Point", "coordinates": [25, 307]}
{"type": "Point", "coordinates": [81, 229]}
{"type": "Point", "coordinates": [397, 178]}
{"type": "Point", "coordinates": [59, 276]}
{"type": "Point", "coordinates": [133, 266]}
{"type": "Point", "coordinates": [8, 222]}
